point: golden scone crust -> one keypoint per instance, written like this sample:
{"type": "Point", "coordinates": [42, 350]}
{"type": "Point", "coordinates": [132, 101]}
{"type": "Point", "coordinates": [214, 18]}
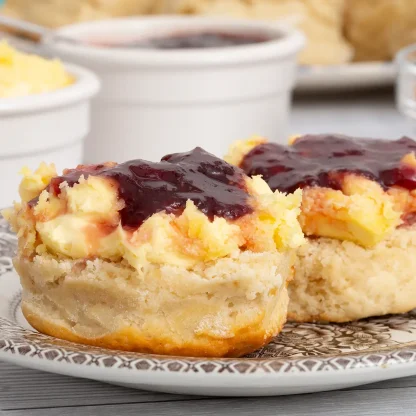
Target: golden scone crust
{"type": "Point", "coordinates": [223, 309]}
{"type": "Point", "coordinates": [340, 281]}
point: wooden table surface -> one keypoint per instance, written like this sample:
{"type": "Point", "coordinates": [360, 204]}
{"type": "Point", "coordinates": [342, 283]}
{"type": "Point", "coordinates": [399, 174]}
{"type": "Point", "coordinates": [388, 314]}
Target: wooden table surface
{"type": "Point", "coordinates": [33, 393]}
{"type": "Point", "coordinates": [25, 392]}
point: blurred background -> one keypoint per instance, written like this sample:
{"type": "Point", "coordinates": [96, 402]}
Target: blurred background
{"type": "Point", "coordinates": [338, 31]}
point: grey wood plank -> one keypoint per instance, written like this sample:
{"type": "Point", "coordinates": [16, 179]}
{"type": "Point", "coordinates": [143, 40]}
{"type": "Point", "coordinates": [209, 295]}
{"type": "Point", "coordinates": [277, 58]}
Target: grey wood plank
{"type": "Point", "coordinates": [22, 388]}
{"type": "Point", "coordinates": [389, 384]}
{"type": "Point", "coordinates": [396, 402]}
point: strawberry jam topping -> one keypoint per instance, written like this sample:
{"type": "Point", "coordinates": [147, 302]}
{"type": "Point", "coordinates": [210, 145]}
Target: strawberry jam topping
{"type": "Point", "coordinates": [322, 160]}
{"type": "Point", "coordinates": [215, 187]}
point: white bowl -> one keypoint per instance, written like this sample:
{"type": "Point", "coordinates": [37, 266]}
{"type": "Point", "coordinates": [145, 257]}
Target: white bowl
{"type": "Point", "coordinates": [49, 127]}
{"type": "Point", "coordinates": [406, 82]}
{"type": "Point", "coordinates": [155, 102]}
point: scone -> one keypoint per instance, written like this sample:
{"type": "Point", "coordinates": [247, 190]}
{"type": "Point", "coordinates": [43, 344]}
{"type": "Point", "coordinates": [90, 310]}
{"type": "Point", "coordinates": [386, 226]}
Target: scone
{"type": "Point", "coordinates": [378, 29]}
{"type": "Point", "coordinates": [187, 256]}
{"type": "Point", "coordinates": [358, 212]}
{"type": "Point", "coordinates": [321, 21]}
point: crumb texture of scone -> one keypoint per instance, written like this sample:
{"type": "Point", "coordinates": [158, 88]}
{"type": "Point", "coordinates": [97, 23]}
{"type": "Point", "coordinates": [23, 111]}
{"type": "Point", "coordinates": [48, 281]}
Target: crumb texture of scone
{"type": "Point", "coordinates": [227, 308]}
{"type": "Point", "coordinates": [358, 213]}
{"type": "Point", "coordinates": [321, 21]}
{"type": "Point", "coordinates": [339, 281]}
{"type": "Point", "coordinates": [186, 256]}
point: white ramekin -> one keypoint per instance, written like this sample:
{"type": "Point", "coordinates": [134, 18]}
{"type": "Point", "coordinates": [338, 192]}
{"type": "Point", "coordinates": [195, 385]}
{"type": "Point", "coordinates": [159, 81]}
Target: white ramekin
{"type": "Point", "coordinates": [154, 102]}
{"type": "Point", "coordinates": [49, 127]}
{"type": "Point", "coordinates": [406, 82]}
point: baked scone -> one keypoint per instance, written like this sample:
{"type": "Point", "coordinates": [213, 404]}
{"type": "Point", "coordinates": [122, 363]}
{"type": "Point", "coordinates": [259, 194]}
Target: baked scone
{"type": "Point", "coordinates": [358, 212]}
{"type": "Point", "coordinates": [403, 26]}
{"type": "Point", "coordinates": [187, 256]}
{"type": "Point", "coordinates": [378, 29]}
{"type": "Point", "coordinates": [321, 21]}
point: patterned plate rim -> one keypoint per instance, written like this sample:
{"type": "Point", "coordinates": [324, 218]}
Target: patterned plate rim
{"type": "Point", "coordinates": [15, 340]}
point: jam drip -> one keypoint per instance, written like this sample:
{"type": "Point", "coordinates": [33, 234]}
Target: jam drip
{"type": "Point", "coordinates": [323, 160]}
{"type": "Point", "coordinates": [192, 41]}
{"type": "Point", "coordinates": [216, 188]}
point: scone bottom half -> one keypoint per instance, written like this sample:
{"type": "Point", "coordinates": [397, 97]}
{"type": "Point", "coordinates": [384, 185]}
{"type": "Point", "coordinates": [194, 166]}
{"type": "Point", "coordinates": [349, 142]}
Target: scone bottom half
{"type": "Point", "coordinates": [186, 256]}
{"type": "Point", "coordinates": [358, 213]}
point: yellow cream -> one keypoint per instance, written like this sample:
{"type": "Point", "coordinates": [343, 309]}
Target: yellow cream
{"type": "Point", "coordinates": [24, 74]}
{"type": "Point", "coordinates": [83, 222]}
{"type": "Point", "coordinates": [361, 212]}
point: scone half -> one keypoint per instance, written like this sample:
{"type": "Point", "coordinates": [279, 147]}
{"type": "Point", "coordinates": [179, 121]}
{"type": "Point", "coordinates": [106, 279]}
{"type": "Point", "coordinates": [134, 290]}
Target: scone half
{"type": "Point", "coordinates": [228, 308]}
{"type": "Point", "coordinates": [342, 281]}
{"type": "Point", "coordinates": [187, 256]}
{"type": "Point", "coordinates": [358, 211]}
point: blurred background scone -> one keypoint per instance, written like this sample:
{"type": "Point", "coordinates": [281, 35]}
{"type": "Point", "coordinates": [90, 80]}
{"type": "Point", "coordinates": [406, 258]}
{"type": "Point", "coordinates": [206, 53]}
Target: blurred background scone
{"type": "Point", "coordinates": [56, 13]}
{"type": "Point", "coordinates": [368, 26]}
{"type": "Point", "coordinates": [378, 29]}
{"type": "Point", "coordinates": [358, 212]}
{"type": "Point", "coordinates": [187, 256]}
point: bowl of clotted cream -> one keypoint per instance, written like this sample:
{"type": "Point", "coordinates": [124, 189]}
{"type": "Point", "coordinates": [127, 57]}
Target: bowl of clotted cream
{"type": "Point", "coordinates": [44, 114]}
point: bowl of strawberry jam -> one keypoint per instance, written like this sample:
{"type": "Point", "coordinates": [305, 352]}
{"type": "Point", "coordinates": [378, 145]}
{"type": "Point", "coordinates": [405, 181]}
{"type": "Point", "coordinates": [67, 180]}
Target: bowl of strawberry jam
{"type": "Point", "coordinates": [196, 81]}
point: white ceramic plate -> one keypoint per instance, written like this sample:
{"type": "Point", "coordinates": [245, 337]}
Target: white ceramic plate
{"type": "Point", "coordinates": [304, 358]}
{"type": "Point", "coordinates": [353, 76]}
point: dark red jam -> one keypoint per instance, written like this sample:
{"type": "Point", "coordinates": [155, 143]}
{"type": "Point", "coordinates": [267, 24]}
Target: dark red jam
{"type": "Point", "coordinates": [191, 41]}
{"type": "Point", "coordinates": [216, 188]}
{"type": "Point", "coordinates": [322, 160]}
